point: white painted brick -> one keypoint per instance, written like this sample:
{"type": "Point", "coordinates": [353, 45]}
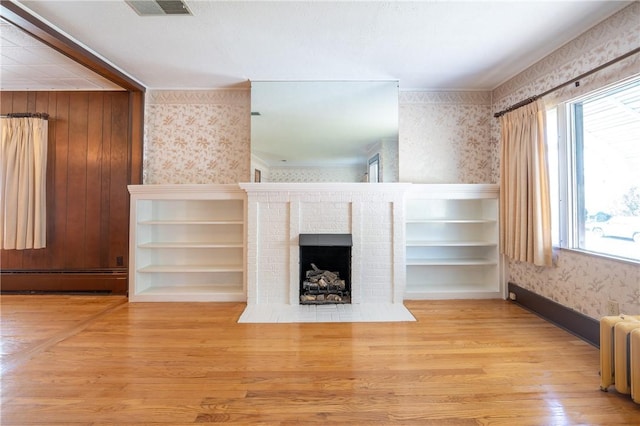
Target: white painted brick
{"type": "Point", "coordinates": [276, 218]}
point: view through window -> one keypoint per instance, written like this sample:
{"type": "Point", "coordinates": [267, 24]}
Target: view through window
{"type": "Point", "coordinates": [601, 192]}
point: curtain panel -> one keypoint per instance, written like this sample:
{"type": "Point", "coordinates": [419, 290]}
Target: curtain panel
{"type": "Point", "coordinates": [23, 158]}
{"type": "Point", "coordinates": [525, 210]}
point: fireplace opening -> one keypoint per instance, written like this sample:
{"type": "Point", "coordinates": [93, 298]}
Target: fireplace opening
{"type": "Point", "coordinates": [325, 268]}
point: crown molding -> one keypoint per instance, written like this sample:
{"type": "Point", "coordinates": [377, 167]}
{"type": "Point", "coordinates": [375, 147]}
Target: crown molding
{"type": "Point", "coordinates": [240, 97]}
{"type": "Point", "coordinates": [453, 97]}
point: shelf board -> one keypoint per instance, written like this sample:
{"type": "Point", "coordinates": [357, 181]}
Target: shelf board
{"type": "Point", "coordinates": [192, 293]}
{"type": "Point", "coordinates": [447, 293]}
{"type": "Point", "coordinates": [452, 287]}
{"type": "Point", "coordinates": [450, 244]}
{"type": "Point", "coordinates": [191, 268]}
{"type": "Point", "coordinates": [191, 222]}
{"type": "Point", "coordinates": [154, 245]}
{"type": "Point", "coordinates": [450, 221]}
{"type": "Point", "coordinates": [198, 289]}
{"type": "Point", "coordinates": [450, 262]}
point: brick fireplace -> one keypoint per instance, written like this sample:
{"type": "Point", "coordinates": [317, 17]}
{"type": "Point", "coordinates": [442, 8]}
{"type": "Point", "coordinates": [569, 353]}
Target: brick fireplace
{"type": "Point", "coordinates": [277, 213]}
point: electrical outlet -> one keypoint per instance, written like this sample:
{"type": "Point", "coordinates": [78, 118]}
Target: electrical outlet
{"type": "Point", "coordinates": [613, 308]}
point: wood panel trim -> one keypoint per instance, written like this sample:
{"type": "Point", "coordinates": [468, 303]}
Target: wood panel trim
{"type": "Point", "coordinates": [56, 40]}
{"type": "Point", "coordinates": [136, 132]}
{"type": "Point", "coordinates": [110, 281]}
{"type": "Point", "coordinates": [576, 323]}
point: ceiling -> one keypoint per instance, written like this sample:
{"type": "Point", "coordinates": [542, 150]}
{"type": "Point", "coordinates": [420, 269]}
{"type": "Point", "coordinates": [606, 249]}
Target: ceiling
{"type": "Point", "coordinates": [27, 64]}
{"type": "Point", "coordinates": [426, 45]}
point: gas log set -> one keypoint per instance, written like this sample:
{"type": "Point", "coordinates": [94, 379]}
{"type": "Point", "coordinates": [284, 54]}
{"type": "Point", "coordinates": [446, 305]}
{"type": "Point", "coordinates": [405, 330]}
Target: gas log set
{"type": "Point", "coordinates": [321, 286]}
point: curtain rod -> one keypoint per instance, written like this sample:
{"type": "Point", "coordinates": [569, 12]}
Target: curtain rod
{"type": "Point", "coordinates": [42, 115]}
{"type": "Point", "coordinates": [575, 80]}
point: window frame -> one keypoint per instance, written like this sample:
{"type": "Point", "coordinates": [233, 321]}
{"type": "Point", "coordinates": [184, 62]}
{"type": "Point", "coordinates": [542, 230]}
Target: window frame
{"type": "Point", "coordinates": [571, 229]}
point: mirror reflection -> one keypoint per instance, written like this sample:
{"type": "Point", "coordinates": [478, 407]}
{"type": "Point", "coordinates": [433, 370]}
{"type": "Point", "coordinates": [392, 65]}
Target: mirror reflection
{"type": "Point", "coordinates": [324, 131]}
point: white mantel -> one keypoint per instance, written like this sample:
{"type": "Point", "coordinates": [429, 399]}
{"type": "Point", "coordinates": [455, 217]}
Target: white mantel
{"type": "Point", "coordinates": [277, 213]}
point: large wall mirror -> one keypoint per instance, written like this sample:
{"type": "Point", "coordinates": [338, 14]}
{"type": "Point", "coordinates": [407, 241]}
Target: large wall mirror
{"type": "Point", "coordinates": [324, 131]}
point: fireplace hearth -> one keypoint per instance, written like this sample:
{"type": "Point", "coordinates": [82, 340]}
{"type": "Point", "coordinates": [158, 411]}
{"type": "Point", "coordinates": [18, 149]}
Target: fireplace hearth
{"type": "Point", "coordinates": [330, 282]}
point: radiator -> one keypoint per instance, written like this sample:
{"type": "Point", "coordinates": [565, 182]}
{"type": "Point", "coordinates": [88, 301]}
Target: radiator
{"type": "Point", "coordinates": [619, 364]}
{"type": "Point", "coordinates": [635, 365]}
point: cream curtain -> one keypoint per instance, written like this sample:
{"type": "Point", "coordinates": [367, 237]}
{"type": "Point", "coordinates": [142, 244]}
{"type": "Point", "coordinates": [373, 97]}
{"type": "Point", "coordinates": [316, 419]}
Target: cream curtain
{"type": "Point", "coordinates": [23, 158]}
{"type": "Point", "coordinates": [525, 213]}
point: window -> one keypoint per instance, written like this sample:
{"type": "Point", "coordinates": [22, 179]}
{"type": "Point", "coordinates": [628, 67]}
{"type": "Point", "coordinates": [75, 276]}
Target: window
{"type": "Point", "coordinates": [597, 159]}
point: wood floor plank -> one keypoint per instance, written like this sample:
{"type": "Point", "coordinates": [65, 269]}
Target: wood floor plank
{"type": "Point", "coordinates": [462, 362]}
{"type": "Point", "coordinates": [30, 331]}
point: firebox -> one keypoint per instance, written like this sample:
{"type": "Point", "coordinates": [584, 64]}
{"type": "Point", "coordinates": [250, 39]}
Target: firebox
{"type": "Point", "coordinates": [325, 268]}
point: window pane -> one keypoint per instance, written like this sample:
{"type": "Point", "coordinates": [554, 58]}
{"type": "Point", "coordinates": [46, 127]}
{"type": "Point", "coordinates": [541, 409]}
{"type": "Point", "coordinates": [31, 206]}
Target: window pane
{"type": "Point", "coordinates": [607, 181]}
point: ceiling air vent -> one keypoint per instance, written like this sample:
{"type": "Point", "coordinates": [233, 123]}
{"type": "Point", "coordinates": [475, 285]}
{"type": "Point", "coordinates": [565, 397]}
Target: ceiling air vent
{"type": "Point", "coordinates": [159, 7]}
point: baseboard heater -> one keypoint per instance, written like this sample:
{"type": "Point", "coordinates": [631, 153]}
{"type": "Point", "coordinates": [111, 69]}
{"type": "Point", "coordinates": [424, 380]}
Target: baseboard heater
{"type": "Point", "coordinates": [110, 281]}
{"type": "Point", "coordinates": [576, 323]}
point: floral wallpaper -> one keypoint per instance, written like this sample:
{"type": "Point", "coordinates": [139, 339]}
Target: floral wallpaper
{"type": "Point", "coordinates": [445, 137]}
{"type": "Point", "coordinates": [316, 174]}
{"type": "Point", "coordinates": [583, 283]}
{"type": "Point", "coordinates": [197, 137]}
{"type": "Point", "coordinates": [579, 281]}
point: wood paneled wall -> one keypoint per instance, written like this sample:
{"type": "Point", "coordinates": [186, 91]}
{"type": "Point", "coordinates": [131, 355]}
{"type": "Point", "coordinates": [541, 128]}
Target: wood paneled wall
{"type": "Point", "coordinates": [87, 199]}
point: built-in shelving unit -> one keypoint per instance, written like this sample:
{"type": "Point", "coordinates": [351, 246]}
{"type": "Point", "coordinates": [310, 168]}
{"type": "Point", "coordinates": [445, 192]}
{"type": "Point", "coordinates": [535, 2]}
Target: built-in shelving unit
{"type": "Point", "coordinates": [452, 242]}
{"type": "Point", "coordinates": [187, 243]}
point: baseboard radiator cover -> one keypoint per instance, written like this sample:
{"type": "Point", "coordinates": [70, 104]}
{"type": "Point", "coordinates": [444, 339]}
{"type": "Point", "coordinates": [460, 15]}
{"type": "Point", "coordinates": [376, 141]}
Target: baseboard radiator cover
{"type": "Point", "coordinates": [576, 323]}
{"type": "Point", "coordinates": [107, 281]}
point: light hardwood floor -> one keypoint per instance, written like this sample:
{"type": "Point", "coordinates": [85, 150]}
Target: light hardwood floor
{"type": "Point", "coordinates": [71, 360]}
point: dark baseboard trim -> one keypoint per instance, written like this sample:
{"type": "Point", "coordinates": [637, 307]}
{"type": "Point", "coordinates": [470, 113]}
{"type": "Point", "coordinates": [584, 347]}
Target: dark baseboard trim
{"type": "Point", "coordinates": [580, 325]}
{"type": "Point", "coordinates": [102, 281]}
